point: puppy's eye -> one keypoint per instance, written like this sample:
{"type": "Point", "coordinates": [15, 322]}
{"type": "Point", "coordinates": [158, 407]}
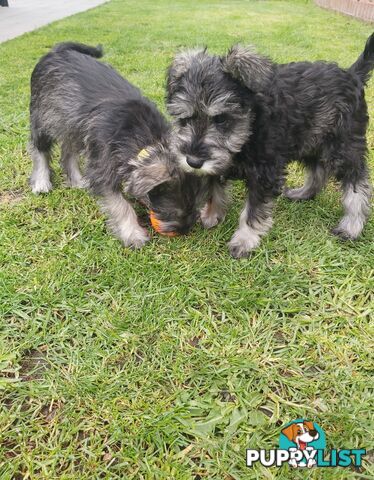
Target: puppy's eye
{"type": "Point", "coordinates": [220, 119]}
{"type": "Point", "coordinates": [184, 121]}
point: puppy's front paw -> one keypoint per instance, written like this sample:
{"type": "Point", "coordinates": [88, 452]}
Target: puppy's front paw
{"type": "Point", "coordinates": [77, 182]}
{"type": "Point", "coordinates": [242, 242]}
{"type": "Point", "coordinates": [135, 239]}
{"type": "Point", "coordinates": [40, 185]}
{"type": "Point", "coordinates": [139, 239]}
{"type": "Point", "coordinates": [210, 217]}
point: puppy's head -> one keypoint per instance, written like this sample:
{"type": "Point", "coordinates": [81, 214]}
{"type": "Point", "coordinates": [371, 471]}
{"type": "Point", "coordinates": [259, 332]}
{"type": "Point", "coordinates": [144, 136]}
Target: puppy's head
{"type": "Point", "coordinates": [173, 196]}
{"type": "Point", "coordinates": [211, 99]}
{"type": "Point", "coordinates": [301, 433]}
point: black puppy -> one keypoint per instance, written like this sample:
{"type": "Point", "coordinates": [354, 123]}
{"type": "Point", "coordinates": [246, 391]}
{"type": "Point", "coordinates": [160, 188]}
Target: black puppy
{"type": "Point", "coordinates": [242, 116]}
{"type": "Point", "coordinates": [88, 108]}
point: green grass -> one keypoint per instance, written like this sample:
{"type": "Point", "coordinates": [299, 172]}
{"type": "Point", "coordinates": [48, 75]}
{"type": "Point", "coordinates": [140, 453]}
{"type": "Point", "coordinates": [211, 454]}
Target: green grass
{"type": "Point", "coordinates": [167, 363]}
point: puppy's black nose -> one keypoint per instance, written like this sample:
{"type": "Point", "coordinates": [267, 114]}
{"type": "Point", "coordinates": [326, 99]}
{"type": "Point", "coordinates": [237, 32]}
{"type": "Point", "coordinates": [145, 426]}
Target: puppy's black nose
{"type": "Point", "coordinates": [313, 433]}
{"type": "Point", "coordinates": [194, 162]}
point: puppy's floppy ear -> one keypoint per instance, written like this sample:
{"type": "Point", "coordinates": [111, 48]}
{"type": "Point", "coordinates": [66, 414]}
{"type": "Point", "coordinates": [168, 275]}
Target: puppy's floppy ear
{"type": "Point", "coordinates": [181, 64]}
{"type": "Point", "coordinates": [309, 425]}
{"type": "Point", "coordinates": [146, 177]}
{"type": "Point", "coordinates": [251, 69]}
{"type": "Point", "coordinates": [290, 432]}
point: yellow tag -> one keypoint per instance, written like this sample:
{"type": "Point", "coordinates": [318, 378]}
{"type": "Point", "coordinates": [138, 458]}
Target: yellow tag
{"type": "Point", "coordinates": [143, 154]}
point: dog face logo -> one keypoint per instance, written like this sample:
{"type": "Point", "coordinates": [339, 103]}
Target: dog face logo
{"type": "Point", "coordinates": [302, 436]}
{"type": "Point", "coordinates": [301, 433]}
{"type": "Point", "coordinates": [302, 443]}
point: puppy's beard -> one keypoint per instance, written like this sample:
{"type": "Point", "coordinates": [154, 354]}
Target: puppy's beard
{"type": "Point", "coordinates": [188, 169]}
{"type": "Point", "coordinates": [209, 167]}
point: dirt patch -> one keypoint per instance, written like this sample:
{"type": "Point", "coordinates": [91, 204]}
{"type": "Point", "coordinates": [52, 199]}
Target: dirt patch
{"type": "Point", "coordinates": [226, 396]}
{"type": "Point", "coordinates": [49, 412]}
{"type": "Point", "coordinates": [11, 449]}
{"type": "Point", "coordinates": [194, 342]}
{"type": "Point", "coordinates": [33, 365]}
{"type": "Point", "coordinates": [138, 357]}
{"type": "Point", "coordinates": [279, 337]}
{"type": "Point", "coordinates": [11, 197]}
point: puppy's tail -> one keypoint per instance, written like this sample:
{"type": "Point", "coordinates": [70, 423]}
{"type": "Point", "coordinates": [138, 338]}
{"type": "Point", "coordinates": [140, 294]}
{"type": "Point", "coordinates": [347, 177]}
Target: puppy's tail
{"type": "Point", "coordinates": [365, 62]}
{"type": "Point", "coordinates": [96, 52]}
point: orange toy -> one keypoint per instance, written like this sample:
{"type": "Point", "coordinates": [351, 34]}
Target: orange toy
{"type": "Point", "coordinates": [156, 224]}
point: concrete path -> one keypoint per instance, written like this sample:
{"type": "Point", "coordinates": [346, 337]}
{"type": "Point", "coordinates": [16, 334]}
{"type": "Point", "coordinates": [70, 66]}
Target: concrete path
{"type": "Point", "coordinates": [26, 15]}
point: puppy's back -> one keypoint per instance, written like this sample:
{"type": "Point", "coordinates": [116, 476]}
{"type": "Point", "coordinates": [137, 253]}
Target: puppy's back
{"type": "Point", "coordinates": [68, 83]}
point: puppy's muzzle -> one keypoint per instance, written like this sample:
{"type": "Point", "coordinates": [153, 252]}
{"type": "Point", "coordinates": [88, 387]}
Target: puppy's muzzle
{"type": "Point", "coordinates": [194, 162]}
{"type": "Point", "coordinates": [171, 228]}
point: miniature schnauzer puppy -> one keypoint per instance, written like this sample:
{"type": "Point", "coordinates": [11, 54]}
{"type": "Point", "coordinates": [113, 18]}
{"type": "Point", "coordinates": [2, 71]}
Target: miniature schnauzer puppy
{"type": "Point", "coordinates": [242, 116]}
{"type": "Point", "coordinates": [90, 110]}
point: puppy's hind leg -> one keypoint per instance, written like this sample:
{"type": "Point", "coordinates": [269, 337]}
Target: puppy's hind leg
{"type": "Point", "coordinates": [353, 173]}
{"type": "Point", "coordinates": [315, 179]}
{"type": "Point", "coordinates": [356, 202]}
{"type": "Point", "coordinates": [70, 164]}
{"type": "Point", "coordinates": [40, 179]}
{"type": "Point", "coordinates": [122, 219]}
{"type": "Point", "coordinates": [214, 210]}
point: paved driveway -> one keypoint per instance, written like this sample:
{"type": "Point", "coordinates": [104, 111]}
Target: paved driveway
{"type": "Point", "coordinates": [25, 15]}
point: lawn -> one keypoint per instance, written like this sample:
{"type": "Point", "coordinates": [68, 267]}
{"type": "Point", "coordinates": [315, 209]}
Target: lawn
{"type": "Point", "coordinates": [168, 362]}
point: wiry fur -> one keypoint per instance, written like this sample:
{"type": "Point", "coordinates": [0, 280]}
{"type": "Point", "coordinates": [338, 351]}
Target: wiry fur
{"type": "Point", "coordinates": [88, 108]}
{"type": "Point", "coordinates": [242, 116]}
{"type": "Point", "coordinates": [200, 95]}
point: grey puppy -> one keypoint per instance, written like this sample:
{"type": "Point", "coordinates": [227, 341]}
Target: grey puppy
{"type": "Point", "coordinates": [242, 116]}
{"type": "Point", "coordinates": [90, 110]}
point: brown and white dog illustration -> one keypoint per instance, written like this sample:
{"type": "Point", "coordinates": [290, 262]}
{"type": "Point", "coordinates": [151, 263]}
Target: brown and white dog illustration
{"type": "Point", "coordinates": [301, 434]}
